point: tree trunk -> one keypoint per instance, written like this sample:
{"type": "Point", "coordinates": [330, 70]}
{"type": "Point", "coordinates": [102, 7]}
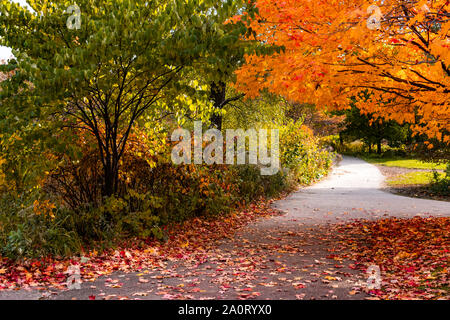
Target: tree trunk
{"type": "Point", "coordinates": [110, 176]}
{"type": "Point", "coordinates": [370, 148]}
{"type": "Point", "coordinates": [218, 96]}
{"type": "Point", "coordinates": [379, 147]}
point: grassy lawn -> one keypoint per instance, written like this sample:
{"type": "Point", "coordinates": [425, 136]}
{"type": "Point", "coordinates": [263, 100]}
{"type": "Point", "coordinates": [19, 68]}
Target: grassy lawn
{"type": "Point", "coordinates": [403, 163]}
{"type": "Point", "coordinates": [412, 178]}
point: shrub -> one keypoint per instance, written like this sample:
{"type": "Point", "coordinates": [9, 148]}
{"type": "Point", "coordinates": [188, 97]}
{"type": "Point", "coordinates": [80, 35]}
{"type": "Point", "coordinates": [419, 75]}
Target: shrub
{"type": "Point", "coordinates": [441, 184]}
{"type": "Point", "coordinates": [26, 231]}
{"type": "Point", "coordinates": [68, 212]}
{"type": "Point", "coordinates": [301, 154]}
{"type": "Point", "coordinates": [252, 185]}
{"type": "Point", "coordinates": [330, 141]}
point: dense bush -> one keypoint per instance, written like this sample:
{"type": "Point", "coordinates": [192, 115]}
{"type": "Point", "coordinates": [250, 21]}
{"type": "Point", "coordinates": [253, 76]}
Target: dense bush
{"type": "Point", "coordinates": [67, 212]}
{"type": "Point", "coordinates": [301, 155]}
{"type": "Point", "coordinates": [441, 184]}
{"type": "Point", "coordinates": [34, 230]}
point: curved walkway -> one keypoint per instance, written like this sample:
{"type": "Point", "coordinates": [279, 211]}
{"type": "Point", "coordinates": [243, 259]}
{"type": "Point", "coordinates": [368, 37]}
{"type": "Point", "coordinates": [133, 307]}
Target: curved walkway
{"type": "Point", "coordinates": [353, 191]}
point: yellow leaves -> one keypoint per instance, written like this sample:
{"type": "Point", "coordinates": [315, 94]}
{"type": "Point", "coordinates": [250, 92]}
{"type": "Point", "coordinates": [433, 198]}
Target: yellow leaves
{"type": "Point", "coordinates": [45, 208]}
{"type": "Point", "coordinates": [402, 255]}
{"type": "Point", "coordinates": [2, 175]}
{"type": "Point", "coordinates": [184, 245]}
{"type": "Point", "coordinates": [28, 276]}
{"type": "Point", "coordinates": [152, 251]}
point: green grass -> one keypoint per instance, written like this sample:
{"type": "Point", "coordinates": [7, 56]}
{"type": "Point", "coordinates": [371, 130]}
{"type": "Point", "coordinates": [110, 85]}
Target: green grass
{"type": "Point", "coordinates": [413, 178]}
{"type": "Point", "coordinates": [403, 163]}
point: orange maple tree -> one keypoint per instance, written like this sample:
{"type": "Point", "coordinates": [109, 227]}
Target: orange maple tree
{"type": "Point", "coordinates": [397, 50]}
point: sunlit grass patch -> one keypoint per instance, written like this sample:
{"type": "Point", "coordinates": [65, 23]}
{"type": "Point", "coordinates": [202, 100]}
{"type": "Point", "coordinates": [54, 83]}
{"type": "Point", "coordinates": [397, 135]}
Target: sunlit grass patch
{"type": "Point", "coordinates": [404, 163]}
{"type": "Point", "coordinates": [413, 178]}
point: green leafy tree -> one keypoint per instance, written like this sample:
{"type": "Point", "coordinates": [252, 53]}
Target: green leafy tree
{"type": "Point", "coordinates": [224, 53]}
{"type": "Point", "coordinates": [372, 130]}
{"type": "Point", "coordinates": [265, 110]}
{"type": "Point", "coordinates": [105, 65]}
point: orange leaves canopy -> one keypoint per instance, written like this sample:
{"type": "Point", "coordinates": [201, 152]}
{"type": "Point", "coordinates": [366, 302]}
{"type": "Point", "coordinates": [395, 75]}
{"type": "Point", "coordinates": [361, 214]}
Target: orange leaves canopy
{"type": "Point", "coordinates": [397, 50]}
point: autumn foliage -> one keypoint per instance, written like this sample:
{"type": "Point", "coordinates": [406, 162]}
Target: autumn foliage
{"type": "Point", "coordinates": [397, 50]}
{"type": "Point", "coordinates": [414, 255]}
{"type": "Point", "coordinates": [86, 175]}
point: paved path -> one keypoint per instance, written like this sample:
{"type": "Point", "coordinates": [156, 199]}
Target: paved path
{"type": "Point", "coordinates": [355, 184]}
{"type": "Point", "coordinates": [285, 257]}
